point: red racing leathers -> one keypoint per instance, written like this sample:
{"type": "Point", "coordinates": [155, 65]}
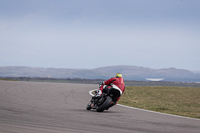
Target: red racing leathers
{"type": "Point", "coordinates": [117, 83]}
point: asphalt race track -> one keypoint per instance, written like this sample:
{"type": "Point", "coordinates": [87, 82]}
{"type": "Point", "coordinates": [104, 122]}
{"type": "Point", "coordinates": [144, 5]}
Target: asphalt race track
{"type": "Point", "coordinates": [39, 107]}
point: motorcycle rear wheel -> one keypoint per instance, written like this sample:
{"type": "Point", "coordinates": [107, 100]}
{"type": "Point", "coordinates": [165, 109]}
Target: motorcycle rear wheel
{"type": "Point", "coordinates": [105, 105]}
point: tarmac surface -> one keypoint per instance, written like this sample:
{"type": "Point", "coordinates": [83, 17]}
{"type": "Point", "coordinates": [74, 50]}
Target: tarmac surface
{"type": "Point", "coordinates": [39, 107]}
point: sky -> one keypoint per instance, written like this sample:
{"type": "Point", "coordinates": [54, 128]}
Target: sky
{"type": "Point", "coordinates": [96, 33]}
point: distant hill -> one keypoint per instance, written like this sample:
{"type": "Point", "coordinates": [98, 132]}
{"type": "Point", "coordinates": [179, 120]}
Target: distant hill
{"type": "Point", "coordinates": [129, 73]}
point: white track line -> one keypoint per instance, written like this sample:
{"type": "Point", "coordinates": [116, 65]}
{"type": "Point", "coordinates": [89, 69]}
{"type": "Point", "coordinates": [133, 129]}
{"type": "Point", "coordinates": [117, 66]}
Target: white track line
{"type": "Point", "coordinates": [90, 92]}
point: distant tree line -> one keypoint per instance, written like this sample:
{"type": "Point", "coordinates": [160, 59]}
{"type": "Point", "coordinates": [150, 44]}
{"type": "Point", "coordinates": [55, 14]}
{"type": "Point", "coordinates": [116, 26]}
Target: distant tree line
{"type": "Point", "coordinates": [99, 81]}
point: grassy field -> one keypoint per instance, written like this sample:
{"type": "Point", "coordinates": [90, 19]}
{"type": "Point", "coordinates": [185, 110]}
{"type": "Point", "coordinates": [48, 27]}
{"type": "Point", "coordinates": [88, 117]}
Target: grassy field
{"type": "Point", "coordinates": [183, 101]}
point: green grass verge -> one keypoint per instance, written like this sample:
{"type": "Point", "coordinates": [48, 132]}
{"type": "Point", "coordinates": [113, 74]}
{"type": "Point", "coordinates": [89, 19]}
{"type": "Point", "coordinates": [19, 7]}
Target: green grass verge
{"type": "Point", "coordinates": [183, 101]}
{"type": "Point", "coordinates": [7, 79]}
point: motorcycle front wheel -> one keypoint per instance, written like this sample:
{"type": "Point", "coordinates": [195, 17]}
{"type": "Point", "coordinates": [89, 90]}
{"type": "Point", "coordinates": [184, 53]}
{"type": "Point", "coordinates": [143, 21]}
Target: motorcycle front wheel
{"type": "Point", "coordinates": [88, 107]}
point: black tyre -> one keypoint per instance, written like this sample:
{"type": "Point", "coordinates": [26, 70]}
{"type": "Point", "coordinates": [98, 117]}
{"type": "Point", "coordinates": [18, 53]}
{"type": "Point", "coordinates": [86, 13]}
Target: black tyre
{"type": "Point", "coordinates": [88, 107]}
{"type": "Point", "coordinates": [105, 105]}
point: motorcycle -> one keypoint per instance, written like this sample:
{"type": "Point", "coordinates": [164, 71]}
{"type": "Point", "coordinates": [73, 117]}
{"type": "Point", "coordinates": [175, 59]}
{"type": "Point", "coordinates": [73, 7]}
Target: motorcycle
{"type": "Point", "coordinates": [105, 101]}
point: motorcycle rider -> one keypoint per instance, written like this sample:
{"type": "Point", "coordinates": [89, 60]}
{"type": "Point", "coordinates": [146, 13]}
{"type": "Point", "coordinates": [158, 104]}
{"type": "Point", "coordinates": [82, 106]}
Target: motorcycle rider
{"type": "Point", "coordinates": [116, 83]}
